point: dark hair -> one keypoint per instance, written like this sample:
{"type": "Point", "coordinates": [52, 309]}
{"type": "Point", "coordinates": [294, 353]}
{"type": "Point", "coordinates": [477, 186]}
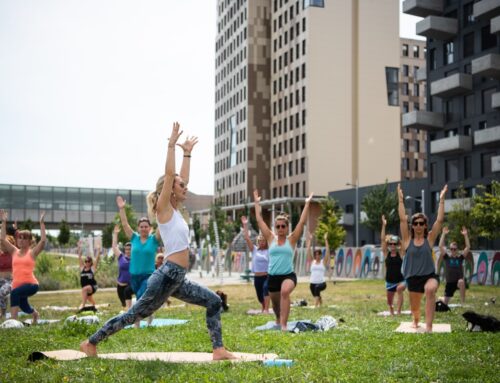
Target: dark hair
{"type": "Point", "coordinates": [416, 216]}
{"type": "Point", "coordinates": [317, 251]}
{"type": "Point", "coordinates": [144, 219]}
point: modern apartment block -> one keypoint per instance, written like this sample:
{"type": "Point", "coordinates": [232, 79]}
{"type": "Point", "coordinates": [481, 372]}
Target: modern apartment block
{"type": "Point", "coordinates": [463, 93]}
{"type": "Point", "coordinates": [411, 98]}
{"type": "Point", "coordinates": [302, 98]}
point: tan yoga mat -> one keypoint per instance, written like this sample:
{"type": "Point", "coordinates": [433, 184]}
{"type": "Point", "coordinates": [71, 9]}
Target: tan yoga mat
{"type": "Point", "coordinates": [436, 327]}
{"type": "Point", "coordinates": [171, 357]}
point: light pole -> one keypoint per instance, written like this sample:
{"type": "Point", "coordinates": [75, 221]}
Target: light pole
{"type": "Point", "coordinates": [356, 210]}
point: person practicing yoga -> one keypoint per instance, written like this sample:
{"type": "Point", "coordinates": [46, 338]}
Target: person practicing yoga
{"type": "Point", "coordinates": [419, 269]}
{"type": "Point", "coordinates": [24, 282]}
{"type": "Point", "coordinates": [87, 277]}
{"type": "Point", "coordinates": [170, 279]}
{"type": "Point", "coordinates": [317, 282]}
{"type": "Point", "coordinates": [454, 265]}
{"type": "Point", "coordinates": [6, 271]}
{"type": "Point", "coordinates": [260, 265]}
{"type": "Point", "coordinates": [282, 279]}
{"type": "Point", "coordinates": [394, 280]}
{"type": "Point", "coordinates": [123, 288]}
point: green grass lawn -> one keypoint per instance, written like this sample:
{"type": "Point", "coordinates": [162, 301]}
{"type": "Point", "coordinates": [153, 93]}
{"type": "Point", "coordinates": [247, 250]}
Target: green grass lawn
{"type": "Point", "coordinates": [364, 348]}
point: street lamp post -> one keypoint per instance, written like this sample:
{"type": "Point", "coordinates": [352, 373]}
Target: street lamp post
{"type": "Point", "coordinates": [356, 210]}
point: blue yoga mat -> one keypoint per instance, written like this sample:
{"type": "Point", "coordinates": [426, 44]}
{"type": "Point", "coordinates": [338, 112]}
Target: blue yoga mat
{"type": "Point", "coordinates": [160, 322]}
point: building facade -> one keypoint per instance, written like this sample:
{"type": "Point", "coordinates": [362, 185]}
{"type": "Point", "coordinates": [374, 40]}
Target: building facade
{"type": "Point", "coordinates": [462, 117]}
{"type": "Point", "coordinates": [302, 99]}
{"type": "Point", "coordinates": [412, 94]}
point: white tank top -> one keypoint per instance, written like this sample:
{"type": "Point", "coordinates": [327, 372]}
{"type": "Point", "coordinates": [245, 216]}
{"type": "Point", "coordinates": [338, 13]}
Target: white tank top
{"type": "Point", "coordinates": [174, 234]}
{"type": "Point", "coordinates": [317, 272]}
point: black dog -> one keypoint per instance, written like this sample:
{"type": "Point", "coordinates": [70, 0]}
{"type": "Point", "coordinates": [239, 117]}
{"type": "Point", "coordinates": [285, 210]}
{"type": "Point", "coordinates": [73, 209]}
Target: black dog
{"type": "Point", "coordinates": [478, 322]}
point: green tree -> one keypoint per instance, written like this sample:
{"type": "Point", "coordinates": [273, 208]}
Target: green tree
{"type": "Point", "coordinates": [486, 211]}
{"type": "Point", "coordinates": [27, 225]}
{"type": "Point", "coordinates": [377, 202]}
{"type": "Point", "coordinates": [328, 222]}
{"type": "Point", "coordinates": [108, 229]}
{"type": "Point", "coordinates": [64, 233]}
{"type": "Point", "coordinates": [461, 216]}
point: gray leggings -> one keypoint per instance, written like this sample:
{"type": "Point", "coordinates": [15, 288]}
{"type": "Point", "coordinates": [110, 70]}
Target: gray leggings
{"type": "Point", "coordinates": [168, 280]}
{"type": "Point", "coordinates": [5, 289]}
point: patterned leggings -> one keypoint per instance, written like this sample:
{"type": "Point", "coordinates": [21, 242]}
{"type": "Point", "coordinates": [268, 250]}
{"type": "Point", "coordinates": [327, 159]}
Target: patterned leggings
{"type": "Point", "coordinates": [168, 280]}
{"type": "Point", "coordinates": [5, 288]}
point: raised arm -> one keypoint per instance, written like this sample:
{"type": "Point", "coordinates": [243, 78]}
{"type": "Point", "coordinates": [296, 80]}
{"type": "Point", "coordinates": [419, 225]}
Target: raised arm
{"type": "Point", "coordinates": [120, 202]}
{"type": "Point", "coordinates": [79, 250]}
{"type": "Point", "coordinates": [436, 228]}
{"type": "Point", "coordinates": [244, 222]}
{"type": "Point", "coordinates": [266, 232]}
{"type": "Point", "coordinates": [97, 259]}
{"type": "Point", "coordinates": [465, 233]}
{"type": "Point", "coordinates": [43, 237]}
{"type": "Point", "coordinates": [309, 254]}
{"type": "Point", "coordinates": [187, 147]}
{"type": "Point", "coordinates": [297, 232]}
{"type": "Point", "coordinates": [6, 245]}
{"type": "Point", "coordinates": [326, 260]}
{"type": "Point", "coordinates": [383, 242]}
{"type": "Point", "coordinates": [403, 223]}
{"type": "Point", "coordinates": [442, 241]}
{"type": "Point", "coordinates": [164, 209]}
{"type": "Point", "coordinates": [114, 242]}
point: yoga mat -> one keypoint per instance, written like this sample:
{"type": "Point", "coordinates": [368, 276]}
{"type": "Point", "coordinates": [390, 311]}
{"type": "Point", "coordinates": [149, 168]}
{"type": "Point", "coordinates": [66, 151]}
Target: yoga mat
{"type": "Point", "coordinates": [171, 357]}
{"type": "Point", "coordinates": [271, 325]}
{"type": "Point", "coordinates": [259, 312]}
{"type": "Point", "coordinates": [388, 313]}
{"type": "Point", "coordinates": [436, 327]}
{"type": "Point", "coordinates": [160, 322]}
{"type": "Point", "coordinates": [41, 321]}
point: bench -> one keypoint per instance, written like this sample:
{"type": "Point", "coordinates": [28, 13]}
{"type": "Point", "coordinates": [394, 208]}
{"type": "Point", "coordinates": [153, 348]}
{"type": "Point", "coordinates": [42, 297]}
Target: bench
{"type": "Point", "coordinates": [247, 275]}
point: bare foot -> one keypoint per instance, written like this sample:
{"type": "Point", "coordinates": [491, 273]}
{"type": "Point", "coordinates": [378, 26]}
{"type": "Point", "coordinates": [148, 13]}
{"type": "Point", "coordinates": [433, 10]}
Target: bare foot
{"type": "Point", "coordinates": [415, 325]}
{"type": "Point", "coordinates": [35, 316]}
{"type": "Point", "coordinates": [222, 354]}
{"type": "Point", "coordinates": [428, 329]}
{"type": "Point", "coordinates": [88, 348]}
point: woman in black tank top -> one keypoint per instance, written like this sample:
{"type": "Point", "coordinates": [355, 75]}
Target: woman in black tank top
{"type": "Point", "coordinates": [418, 265]}
{"type": "Point", "coordinates": [394, 281]}
{"type": "Point", "coordinates": [87, 280]}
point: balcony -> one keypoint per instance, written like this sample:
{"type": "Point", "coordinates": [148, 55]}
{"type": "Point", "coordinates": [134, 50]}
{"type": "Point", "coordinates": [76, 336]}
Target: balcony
{"type": "Point", "coordinates": [438, 28]}
{"type": "Point", "coordinates": [421, 75]}
{"type": "Point", "coordinates": [487, 66]}
{"type": "Point", "coordinates": [495, 164]}
{"type": "Point", "coordinates": [495, 25]}
{"type": "Point", "coordinates": [451, 145]}
{"type": "Point", "coordinates": [423, 8]}
{"type": "Point", "coordinates": [347, 219]}
{"type": "Point", "coordinates": [495, 100]}
{"type": "Point", "coordinates": [486, 9]}
{"type": "Point", "coordinates": [456, 203]}
{"type": "Point", "coordinates": [421, 119]}
{"type": "Point", "coordinates": [487, 137]}
{"type": "Point", "coordinates": [454, 85]}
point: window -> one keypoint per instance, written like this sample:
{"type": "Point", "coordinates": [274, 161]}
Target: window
{"type": "Point", "coordinates": [314, 3]}
{"type": "Point", "coordinates": [405, 70]}
{"type": "Point", "coordinates": [415, 71]}
{"type": "Point", "coordinates": [486, 164]}
{"type": "Point", "coordinates": [448, 51]}
{"type": "Point", "coordinates": [416, 90]}
{"type": "Point", "coordinates": [486, 96]}
{"type": "Point", "coordinates": [405, 50]}
{"type": "Point", "coordinates": [467, 130]}
{"type": "Point", "coordinates": [468, 106]}
{"type": "Point", "coordinates": [416, 51]}
{"type": "Point", "coordinates": [416, 106]}
{"type": "Point", "coordinates": [391, 78]}
{"type": "Point", "coordinates": [303, 165]}
{"type": "Point", "coordinates": [469, 44]}
{"type": "Point", "coordinates": [468, 14]}
{"type": "Point", "coordinates": [404, 89]}
{"type": "Point", "coordinates": [482, 125]}
{"type": "Point", "coordinates": [488, 40]}
{"type": "Point", "coordinates": [405, 107]}
{"type": "Point", "coordinates": [433, 170]}
{"type": "Point", "coordinates": [417, 146]}
{"type": "Point", "coordinates": [432, 59]}
{"type": "Point", "coordinates": [406, 164]}
{"type": "Point", "coordinates": [451, 169]}
{"type": "Point", "coordinates": [467, 167]}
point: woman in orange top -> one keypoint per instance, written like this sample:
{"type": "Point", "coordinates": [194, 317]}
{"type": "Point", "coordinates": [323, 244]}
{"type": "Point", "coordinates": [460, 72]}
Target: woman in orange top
{"type": "Point", "coordinates": [24, 283]}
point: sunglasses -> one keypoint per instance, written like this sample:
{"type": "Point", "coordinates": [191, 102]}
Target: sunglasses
{"type": "Point", "coordinates": [280, 226]}
{"type": "Point", "coordinates": [88, 261]}
{"type": "Point", "coordinates": [392, 244]}
{"type": "Point", "coordinates": [24, 236]}
{"type": "Point", "coordinates": [453, 248]}
{"type": "Point", "coordinates": [419, 223]}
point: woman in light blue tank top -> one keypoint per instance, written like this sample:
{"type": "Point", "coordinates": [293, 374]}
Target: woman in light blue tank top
{"type": "Point", "coordinates": [170, 278]}
{"type": "Point", "coordinates": [260, 265]}
{"type": "Point", "coordinates": [418, 264]}
{"type": "Point", "coordinates": [282, 279]}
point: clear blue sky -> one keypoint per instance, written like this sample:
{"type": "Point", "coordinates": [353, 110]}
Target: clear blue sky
{"type": "Point", "coordinates": [89, 89]}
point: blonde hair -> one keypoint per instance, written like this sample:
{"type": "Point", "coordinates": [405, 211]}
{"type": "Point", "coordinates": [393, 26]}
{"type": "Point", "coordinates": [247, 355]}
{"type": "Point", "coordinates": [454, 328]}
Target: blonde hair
{"type": "Point", "coordinates": [282, 217]}
{"type": "Point", "coordinates": [152, 199]}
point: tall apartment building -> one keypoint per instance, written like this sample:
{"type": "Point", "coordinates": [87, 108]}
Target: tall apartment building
{"type": "Point", "coordinates": [411, 98]}
{"type": "Point", "coordinates": [302, 98]}
{"type": "Point", "coordinates": [463, 94]}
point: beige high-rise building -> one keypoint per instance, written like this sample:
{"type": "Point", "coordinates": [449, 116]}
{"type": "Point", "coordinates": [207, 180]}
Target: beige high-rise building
{"type": "Point", "coordinates": [412, 97]}
{"type": "Point", "coordinates": [320, 100]}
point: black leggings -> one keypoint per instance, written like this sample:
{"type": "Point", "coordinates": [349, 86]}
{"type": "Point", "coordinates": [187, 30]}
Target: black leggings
{"type": "Point", "coordinates": [317, 288]}
{"type": "Point", "coordinates": [124, 293]}
{"type": "Point", "coordinates": [261, 287]}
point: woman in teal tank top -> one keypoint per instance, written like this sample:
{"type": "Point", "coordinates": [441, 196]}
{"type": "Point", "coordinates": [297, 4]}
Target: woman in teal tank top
{"type": "Point", "coordinates": [282, 279]}
{"type": "Point", "coordinates": [418, 264]}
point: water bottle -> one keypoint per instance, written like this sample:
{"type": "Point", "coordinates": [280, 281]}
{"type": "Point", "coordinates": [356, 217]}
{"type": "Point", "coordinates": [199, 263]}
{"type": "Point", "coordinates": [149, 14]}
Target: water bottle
{"type": "Point", "coordinates": [278, 362]}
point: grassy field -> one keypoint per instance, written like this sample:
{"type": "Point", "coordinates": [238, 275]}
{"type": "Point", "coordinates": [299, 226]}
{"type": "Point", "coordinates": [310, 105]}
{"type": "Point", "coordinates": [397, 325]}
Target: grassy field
{"type": "Point", "coordinates": [363, 348]}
